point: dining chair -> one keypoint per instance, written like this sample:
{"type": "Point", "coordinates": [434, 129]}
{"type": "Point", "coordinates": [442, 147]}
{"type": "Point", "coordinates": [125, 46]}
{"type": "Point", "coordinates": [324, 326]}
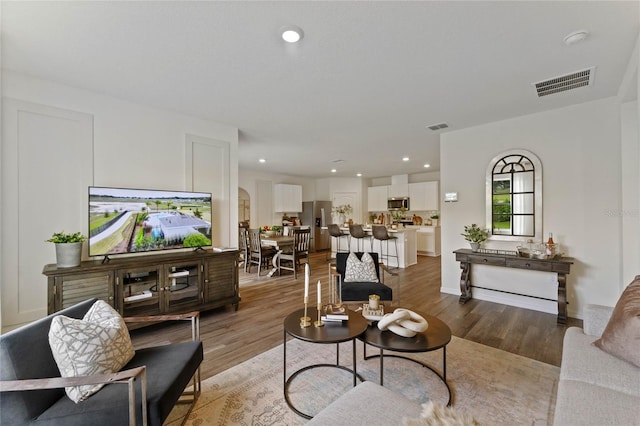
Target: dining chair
{"type": "Point", "coordinates": [243, 244]}
{"type": "Point", "coordinates": [259, 254]}
{"type": "Point", "coordinates": [297, 252]}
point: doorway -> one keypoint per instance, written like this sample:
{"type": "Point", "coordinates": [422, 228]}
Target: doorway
{"type": "Point", "coordinates": [244, 209]}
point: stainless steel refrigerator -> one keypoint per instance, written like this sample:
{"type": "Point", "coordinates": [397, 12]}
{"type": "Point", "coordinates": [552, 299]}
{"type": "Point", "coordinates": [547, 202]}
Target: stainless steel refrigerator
{"type": "Point", "coordinates": [317, 214]}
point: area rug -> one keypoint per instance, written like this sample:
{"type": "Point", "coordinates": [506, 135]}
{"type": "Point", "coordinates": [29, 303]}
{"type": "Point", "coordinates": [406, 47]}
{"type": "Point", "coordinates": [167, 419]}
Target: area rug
{"type": "Point", "coordinates": [496, 387]}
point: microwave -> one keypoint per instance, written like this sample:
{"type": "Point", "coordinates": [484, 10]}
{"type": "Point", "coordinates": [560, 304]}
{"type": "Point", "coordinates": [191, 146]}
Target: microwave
{"type": "Point", "coordinates": [398, 203]}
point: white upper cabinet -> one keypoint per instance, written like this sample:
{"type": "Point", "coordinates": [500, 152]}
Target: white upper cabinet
{"type": "Point", "coordinates": [399, 190]}
{"type": "Point", "coordinates": [287, 198]}
{"type": "Point", "coordinates": [377, 198]}
{"type": "Point", "coordinates": [424, 196]}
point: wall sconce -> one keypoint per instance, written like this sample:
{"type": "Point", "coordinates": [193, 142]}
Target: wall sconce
{"type": "Point", "coordinates": [450, 197]}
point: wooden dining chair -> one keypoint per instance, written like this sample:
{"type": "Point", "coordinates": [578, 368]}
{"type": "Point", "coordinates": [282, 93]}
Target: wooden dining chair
{"type": "Point", "coordinates": [297, 252]}
{"type": "Point", "coordinates": [259, 254]}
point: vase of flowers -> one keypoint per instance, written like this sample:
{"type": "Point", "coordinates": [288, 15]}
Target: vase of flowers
{"type": "Point", "coordinates": [475, 235]}
{"type": "Point", "coordinates": [342, 211]}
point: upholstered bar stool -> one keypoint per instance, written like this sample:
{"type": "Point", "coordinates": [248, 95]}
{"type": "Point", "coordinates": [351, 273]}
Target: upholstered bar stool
{"type": "Point", "coordinates": [380, 233]}
{"type": "Point", "coordinates": [336, 232]}
{"type": "Point", "coordinates": [357, 232]}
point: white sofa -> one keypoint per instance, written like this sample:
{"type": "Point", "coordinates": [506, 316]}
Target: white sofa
{"type": "Point", "coordinates": [595, 388]}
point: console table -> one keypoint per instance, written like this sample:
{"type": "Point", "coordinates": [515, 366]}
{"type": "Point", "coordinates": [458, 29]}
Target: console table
{"type": "Point", "coordinates": [560, 265]}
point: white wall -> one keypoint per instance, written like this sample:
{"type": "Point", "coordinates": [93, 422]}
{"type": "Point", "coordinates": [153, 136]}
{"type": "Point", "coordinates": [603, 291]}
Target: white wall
{"type": "Point", "coordinates": [580, 150]}
{"type": "Point", "coordinates": [133, 146]}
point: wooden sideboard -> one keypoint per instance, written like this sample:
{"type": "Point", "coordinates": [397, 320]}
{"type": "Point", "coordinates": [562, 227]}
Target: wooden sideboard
{"type": "Point", "coordinates": [561, 266]}
{"type": "Point", "coordinates": [149, 285]}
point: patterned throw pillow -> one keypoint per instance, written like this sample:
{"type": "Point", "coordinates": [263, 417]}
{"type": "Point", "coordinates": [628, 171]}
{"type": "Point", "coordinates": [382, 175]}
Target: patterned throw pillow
{"type": "Point", "coordinates": [97, 344]}
{"type": "Point", "coordinates": [360, 270]}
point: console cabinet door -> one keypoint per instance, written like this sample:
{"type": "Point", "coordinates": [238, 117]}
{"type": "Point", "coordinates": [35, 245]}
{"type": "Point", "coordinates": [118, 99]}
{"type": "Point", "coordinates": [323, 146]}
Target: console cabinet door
{"type": "Point", "coordinates": [67, 290]}
{"type": "Point", "coordinates": [221, 279]}
{"type": "Point", "coordinates": [140, 291]}
{"type": "Point", "coordinates": [183, 289]}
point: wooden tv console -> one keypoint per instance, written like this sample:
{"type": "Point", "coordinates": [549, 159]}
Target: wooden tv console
{"type": "Point", "coordinates": [151, 284]}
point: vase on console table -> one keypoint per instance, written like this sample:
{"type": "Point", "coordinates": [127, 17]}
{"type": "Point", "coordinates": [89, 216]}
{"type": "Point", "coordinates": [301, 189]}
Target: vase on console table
{"type": "Point", "coordinates": [475, 246]}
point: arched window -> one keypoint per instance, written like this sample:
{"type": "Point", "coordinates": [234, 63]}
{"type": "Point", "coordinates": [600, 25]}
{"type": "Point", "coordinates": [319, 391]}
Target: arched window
{"type": "Point", "coordinates": [514, 196]}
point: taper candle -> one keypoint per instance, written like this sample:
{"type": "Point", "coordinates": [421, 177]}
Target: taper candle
{"type": "Point", "coordinates": [306, 280]}
{"type": "Point", "coordinates": [319, 293]}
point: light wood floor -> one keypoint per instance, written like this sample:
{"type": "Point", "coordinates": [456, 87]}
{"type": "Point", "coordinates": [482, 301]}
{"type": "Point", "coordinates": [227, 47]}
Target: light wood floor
{"type": "Point", "coordinates": [231, 337]}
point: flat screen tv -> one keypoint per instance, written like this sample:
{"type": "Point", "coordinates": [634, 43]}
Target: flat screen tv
{"type": "Point", "coordinates": [125, 220]}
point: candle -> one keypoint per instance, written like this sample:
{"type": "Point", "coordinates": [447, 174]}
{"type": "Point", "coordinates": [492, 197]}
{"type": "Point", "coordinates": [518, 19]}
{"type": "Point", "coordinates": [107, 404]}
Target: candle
{"type": "Point", "coordinates": [373, 301]}
{"type": "Point", "coordinates": [306, 280]}
{"type": "Point", "coordinates": [319, 294]}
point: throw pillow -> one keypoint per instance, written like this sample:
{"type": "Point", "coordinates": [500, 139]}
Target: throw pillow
{"type": "Point", "coordinates": [440, 415]}
{"type": "Point", "coordinates": [360, 270]}
{"type": "Point", "coordinates": [621, 336]}
{"type": "Point", "coordinates": [97, 344]}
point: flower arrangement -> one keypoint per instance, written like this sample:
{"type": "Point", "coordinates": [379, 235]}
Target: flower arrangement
{"type": "Point", "coordinates": [343, 209]}
{"type": "Point", "coordinates": [474, 234]}
{"type": "Point", "coordinates": [275, 228]}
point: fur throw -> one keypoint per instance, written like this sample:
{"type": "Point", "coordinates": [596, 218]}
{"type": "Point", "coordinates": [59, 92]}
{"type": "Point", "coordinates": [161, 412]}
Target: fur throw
{"type": "Point", "coordinates": [440, 415]}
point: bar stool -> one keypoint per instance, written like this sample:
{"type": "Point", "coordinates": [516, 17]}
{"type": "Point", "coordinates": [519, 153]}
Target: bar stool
{"type": "Point", "coordinates": [336, 232]}
{"type": "Point", "coordinates": [358, 233]}
{"type": "Point", "coordinates": [380, 233]}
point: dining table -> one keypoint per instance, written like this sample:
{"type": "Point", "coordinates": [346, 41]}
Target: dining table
{"type": "Point", "coordinates": [279, 242]}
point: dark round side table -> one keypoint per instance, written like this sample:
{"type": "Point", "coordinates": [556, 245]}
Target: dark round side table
{"type": "Point", "coordinates": [332, 332]}
{"type": "Point", "coordinates": [437, 336]}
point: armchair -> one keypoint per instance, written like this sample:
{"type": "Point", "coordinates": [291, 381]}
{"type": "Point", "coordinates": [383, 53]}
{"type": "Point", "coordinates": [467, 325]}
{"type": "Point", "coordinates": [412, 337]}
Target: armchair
{"type": "Point", "coordinates": [360, 291]}
{"type": "Point", "coordinates": [32, 391]}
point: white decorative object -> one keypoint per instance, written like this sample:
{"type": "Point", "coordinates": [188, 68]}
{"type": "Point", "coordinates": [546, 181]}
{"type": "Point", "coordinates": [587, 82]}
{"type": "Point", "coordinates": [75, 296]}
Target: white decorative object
{"type": "Point", "coordinates": [403, 322]}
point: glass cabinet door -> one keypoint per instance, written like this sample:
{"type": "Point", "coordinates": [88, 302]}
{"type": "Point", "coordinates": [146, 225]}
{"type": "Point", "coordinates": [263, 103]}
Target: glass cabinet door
{"type": "Point", "coordinates": [141, 294]}
{"type": "Point", "coordinates": [182, 285]}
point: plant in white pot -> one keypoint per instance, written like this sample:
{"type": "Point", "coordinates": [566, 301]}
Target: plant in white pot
{"type": "Point", "coordinates": [68, 248]}
{"type": "Point", "coordinates": [475, 235]}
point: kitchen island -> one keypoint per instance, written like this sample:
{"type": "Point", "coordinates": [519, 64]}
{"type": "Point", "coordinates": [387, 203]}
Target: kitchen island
{"type": "Point", "coordinates": [407, 246]}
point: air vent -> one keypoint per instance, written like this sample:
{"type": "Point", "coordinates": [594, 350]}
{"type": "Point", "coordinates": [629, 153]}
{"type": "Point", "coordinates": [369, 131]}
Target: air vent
{"type": "Point", "coordinates": [438, 126]}
{"type": "Point", "coordinates": [337, 161]}
{"type": "Point", "coordinates": [566, 82]}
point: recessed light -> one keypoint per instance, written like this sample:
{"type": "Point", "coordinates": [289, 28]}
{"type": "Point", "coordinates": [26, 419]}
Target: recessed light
{"type": "Point", "coordinates": [575, 37]}
{"type": "Point", "coordinates": [358, 174]}
{"type": "Point", "coordinates": [405, 159]}
{"type": "Point", "coordinates": [333, 170]}
{"type": "Point", "coordinates": [291, 33]}
{"type": "Point", "coordinates": [426, 166]}
{"type": "Point", "coordinates": [262, 160]}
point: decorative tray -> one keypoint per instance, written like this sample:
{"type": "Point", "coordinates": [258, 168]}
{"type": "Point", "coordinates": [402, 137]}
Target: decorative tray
{"type": "Point", "coordinates": [373, 314]}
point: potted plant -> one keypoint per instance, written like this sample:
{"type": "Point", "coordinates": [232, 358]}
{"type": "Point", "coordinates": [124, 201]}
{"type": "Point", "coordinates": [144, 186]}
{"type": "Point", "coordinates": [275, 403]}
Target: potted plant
{"type": "Point", "coordinates": [475, 235]}
{"type": "Point", "coordinates": [68, 248]}
{"type": "Point", "coordinates": [434, 219]}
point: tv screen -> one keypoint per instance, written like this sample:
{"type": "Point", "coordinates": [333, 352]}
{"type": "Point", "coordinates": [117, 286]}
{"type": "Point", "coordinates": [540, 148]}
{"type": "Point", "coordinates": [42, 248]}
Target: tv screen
{"type": "Point", "coordinates": [125, 220]}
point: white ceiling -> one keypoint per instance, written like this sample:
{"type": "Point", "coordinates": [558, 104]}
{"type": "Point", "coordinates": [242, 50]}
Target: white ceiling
{"type": "Point", "coordinates": [361, 86]}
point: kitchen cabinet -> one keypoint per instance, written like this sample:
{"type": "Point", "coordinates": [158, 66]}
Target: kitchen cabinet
{"type": "Point", "coordinates": [377, 198]}
{"type": "Point", "coordinates": [399, 190]}
{"type": "Point", "coordinates": [428, 240]}
{"type": "Point", "coordinates": [287, 198]}
{"type": "Point", "coordinates": [424, 196]}
{"type": "Point", "coordinates": [149, 285]}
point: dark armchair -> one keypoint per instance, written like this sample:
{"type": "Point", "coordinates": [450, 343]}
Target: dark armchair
{"type": "Point", "coordinates": [32, 391]}
{"type": "Point", "coordinates": [360, 291]}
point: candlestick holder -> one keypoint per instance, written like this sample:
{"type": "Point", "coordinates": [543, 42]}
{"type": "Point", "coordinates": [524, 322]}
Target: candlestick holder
{"type": "Point", "coordinates": [319, 322]}
{"type": "Point", "coordinates": [305, 321]}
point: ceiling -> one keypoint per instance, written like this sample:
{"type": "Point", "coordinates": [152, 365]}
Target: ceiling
{"type": "Point", "coordinates": [361, 86]}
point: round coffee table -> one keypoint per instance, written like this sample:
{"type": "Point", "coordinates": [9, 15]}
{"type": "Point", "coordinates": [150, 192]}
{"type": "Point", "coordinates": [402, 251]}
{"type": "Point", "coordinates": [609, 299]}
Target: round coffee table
{"type": "Point", "coordinates": [437, 336]}
{"type": "Point", "coordinates": [331, 332]}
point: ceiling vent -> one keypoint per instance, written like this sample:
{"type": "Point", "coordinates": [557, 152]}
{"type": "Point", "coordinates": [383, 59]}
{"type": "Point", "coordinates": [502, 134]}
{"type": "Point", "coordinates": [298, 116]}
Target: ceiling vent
{"type": "Point", "coordinates": [438, 126]}
{"type": "Point", "coordinates": [565, 82]}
